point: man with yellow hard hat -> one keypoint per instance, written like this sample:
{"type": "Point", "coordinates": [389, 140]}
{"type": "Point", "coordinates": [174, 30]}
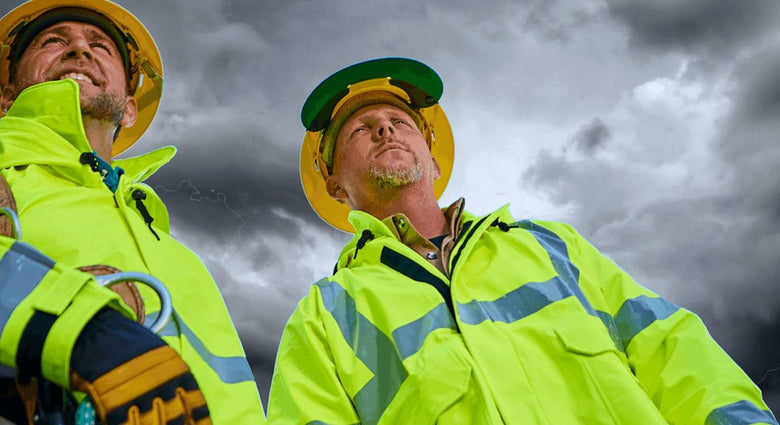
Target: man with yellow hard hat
{"type": "Point", "coordinates": [435, 315]}
{"type": "Point", "coordinates": [81, 81]}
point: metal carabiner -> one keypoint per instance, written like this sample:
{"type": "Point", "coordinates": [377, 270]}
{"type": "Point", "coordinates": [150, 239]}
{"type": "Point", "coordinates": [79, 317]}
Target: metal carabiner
{"type": "Point", "coordinates": [14, 218]}
{"type": "Point", "coordinates": [150, 281]}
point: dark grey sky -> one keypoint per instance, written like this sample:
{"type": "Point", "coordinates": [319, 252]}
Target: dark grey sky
{"type": "Point", "coordinates": [650, 126]}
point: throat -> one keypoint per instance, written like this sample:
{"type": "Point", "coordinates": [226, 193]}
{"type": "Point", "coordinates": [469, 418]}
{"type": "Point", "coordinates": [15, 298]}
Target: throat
{"type": "Point", "coordinates": [100, 135]}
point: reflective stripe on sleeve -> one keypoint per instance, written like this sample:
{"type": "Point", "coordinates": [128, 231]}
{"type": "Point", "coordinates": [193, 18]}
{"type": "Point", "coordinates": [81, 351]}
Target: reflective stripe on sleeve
{"type": "Point", "coordinates": [638, 313]}
{"type": "Point", "coordinates": [21, 269]}
{"type": "Point", "coordinates": [231, 370]}
{"type": "Point", "coordinates": [740, 413]}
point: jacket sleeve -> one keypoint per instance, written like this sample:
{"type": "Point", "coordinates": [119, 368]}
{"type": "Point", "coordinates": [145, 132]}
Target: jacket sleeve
{"type": "Point", "coordinates": [306, 387]}
{"type": "Point", "coordinates": [43, 308]}
{"type": "Point", "coordinates": [680, 366]}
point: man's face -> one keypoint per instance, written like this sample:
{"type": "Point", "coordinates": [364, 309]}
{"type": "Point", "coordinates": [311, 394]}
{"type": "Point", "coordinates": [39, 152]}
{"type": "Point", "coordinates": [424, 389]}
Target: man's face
{"type": "Point", "coordinates": [380, 147]}
{"type": "Point", "coordinates": [84, 53]}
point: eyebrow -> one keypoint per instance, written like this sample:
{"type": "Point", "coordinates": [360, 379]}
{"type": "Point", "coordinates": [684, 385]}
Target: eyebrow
{"type": "Point", "coordinates": [58, 30]}
{"type": "Point", "coordinates": [93, 34]}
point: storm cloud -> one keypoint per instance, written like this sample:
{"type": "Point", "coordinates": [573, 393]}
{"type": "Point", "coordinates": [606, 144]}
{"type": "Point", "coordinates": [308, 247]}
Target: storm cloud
{"type": "Point", "coordinates": [651, 127]}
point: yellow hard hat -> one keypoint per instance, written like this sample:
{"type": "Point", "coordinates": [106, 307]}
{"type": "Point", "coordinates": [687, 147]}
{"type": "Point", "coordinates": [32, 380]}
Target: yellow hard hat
{"type": "Point", "coordinates": [141, 58]}
{"type": "Point", "coordinates": [411, 85]}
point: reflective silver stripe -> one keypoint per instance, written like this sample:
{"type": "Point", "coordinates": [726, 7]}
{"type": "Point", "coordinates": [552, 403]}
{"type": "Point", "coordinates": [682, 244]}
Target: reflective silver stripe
{"type": "Point", "coordinates": [409, 338]}
{"type": "Point", "coordinates": [740, 413]}
{"type": "Point", "coordinates": [516, 304]}
{"type": "Point", "coordinates": [559, 256]}
{"type": "Point", "coordinates": [231, 370]}
{"type": "Point", "coordinates": [531, 297]}
{"type": "Point", "coordinates": [634, 315]}
{"type": "Point", "coordinates": [614, 333]}
{"type": "Point", "coordinates": [638, 313]}
{"type": "Point", "coordinates": [371, 346]}
{"type": "Point", "coordinates": [21, 269]}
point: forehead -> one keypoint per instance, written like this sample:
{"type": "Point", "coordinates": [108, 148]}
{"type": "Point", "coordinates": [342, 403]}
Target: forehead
{"type": "Point", "coordinates": [376, 111]}
{"type": "Point", "coordinates": [71, 28]}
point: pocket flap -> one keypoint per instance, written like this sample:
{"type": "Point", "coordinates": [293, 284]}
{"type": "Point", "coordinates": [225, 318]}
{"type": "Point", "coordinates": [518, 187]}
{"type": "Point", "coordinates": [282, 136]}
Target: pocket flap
{"type": "Point", "coordinates": [585, 337]}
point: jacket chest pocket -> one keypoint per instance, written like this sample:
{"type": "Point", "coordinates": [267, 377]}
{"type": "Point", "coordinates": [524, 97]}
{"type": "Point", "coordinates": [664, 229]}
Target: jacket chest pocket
{"type": "Point", "coordinates": [598, 373]}
{"type": "Point", "coordinates": [443, 390]}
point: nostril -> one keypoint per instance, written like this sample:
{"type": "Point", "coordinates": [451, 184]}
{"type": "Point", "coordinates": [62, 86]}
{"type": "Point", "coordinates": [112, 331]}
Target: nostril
{"type": "Point", "coordinates": [381, 131]}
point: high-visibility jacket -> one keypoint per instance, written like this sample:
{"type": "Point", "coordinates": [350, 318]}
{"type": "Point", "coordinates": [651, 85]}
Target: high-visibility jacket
{"type": "Point", "coordinates": [533, 326]}
{"type": "Point", "coordinates": [71, 216]}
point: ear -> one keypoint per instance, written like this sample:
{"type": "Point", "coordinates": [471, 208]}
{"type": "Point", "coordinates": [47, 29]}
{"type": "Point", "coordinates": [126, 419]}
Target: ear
{"type": "Point", "coordinates": [335, 190]}
{"type": "Point", "coordinates": [131, 112]}
{"type": "Point", "coordinates": [436, 169]}
{"type": "Point", "coordinates": [7, 97]}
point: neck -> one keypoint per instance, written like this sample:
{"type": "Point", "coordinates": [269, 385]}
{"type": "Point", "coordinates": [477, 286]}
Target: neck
{"type": "Point", "coordinates": [418, 205]}
{"type": "Point", "coordinates": [100, 135]}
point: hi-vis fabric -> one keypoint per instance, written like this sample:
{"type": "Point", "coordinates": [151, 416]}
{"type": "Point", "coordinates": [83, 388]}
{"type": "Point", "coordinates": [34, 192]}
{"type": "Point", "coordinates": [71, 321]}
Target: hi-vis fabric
{"type": "Point", "coordinates": [28, 280]}
{"type": "Point", "coordinates": [68, 214]}
{"type": "Point", "coordinates": [543, 329]}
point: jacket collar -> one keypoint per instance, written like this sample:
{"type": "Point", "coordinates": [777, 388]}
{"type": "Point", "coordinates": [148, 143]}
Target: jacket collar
{"type": "Point", "coordinates": [471, 226]}
{"type": "Point", "coordinates": [44, 126]}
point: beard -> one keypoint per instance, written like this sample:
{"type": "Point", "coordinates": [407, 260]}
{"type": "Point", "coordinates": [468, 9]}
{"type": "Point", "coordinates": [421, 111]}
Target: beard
{"type": "Point", "coordinates": [393, 178]}
{"type": "Point", "coordinates": [106, 107]}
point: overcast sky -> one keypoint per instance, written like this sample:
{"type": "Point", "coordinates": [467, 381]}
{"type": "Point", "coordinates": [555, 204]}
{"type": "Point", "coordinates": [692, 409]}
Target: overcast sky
{"type": "Point", "coordinates": [652, 127]}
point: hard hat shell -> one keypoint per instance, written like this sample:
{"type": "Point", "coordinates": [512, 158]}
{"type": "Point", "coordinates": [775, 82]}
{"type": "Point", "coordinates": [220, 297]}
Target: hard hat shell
{"type": "Point", "coordinates": [147, 80]}
{"type": "Point", "coordinates": [414, 82]}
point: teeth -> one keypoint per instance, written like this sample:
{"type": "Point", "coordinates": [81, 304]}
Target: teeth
{"type": "Point", "coordinates": [76, 76]}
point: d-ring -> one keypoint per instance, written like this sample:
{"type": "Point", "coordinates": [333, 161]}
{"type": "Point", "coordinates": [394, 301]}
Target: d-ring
{"type": "Point", "coordinates": [150, 281]}
{"type": "Point", "coordinates": [14, 218]}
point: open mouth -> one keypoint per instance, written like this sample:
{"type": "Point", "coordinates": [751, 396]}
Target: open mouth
{"type": "Point", "coordinates": [78, 76]}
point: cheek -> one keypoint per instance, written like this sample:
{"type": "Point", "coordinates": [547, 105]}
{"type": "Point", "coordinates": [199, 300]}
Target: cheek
{"type": "Point", "coordinates": [33, 69]}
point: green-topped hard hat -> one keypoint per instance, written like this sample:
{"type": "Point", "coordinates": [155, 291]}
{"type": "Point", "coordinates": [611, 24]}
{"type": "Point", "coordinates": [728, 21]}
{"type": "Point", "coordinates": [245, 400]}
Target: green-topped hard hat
{"type": "Point", "coordinates": [405, 83]}
{"type": "Point", "coordinates": [141, 58]}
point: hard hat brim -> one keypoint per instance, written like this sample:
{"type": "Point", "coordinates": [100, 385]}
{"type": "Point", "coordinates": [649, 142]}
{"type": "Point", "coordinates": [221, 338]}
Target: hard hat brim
{"type": "Point", "coordinates": [421, 83]}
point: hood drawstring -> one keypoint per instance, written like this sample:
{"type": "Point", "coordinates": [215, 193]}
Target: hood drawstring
{"type": "Point", "coordinates": [139, 196]}
{"type": "Point", "coordinates": [364, 238]}
{"type": "Point", "coordinates": [108, 174]}
{"type": "Point", "coordinates": [503, 226]}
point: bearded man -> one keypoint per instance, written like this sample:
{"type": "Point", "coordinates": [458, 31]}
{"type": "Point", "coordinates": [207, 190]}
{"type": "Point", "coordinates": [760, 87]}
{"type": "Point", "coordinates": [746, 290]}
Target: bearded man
{"type": "Point", "coordinates": [81, 81]}
{"type": "Point", "coordinates": [434, 315]}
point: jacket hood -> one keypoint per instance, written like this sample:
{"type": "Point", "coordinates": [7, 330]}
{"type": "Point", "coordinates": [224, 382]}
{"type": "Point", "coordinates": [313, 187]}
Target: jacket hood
{"type": "Point", "coordinates": [44, 127]}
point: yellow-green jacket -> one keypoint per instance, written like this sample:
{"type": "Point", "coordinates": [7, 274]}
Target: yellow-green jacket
{"type": "Point", "coordinates": [71, 216]}
{"type": "Point", "coordinates": [540, 329]}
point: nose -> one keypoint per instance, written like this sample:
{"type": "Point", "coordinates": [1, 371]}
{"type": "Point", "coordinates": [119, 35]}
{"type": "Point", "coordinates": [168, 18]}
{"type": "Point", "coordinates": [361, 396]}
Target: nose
{"type": "Point", "coordinates": [78, 47]}
{"type": "Point", "coordinates": [384, 128]}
